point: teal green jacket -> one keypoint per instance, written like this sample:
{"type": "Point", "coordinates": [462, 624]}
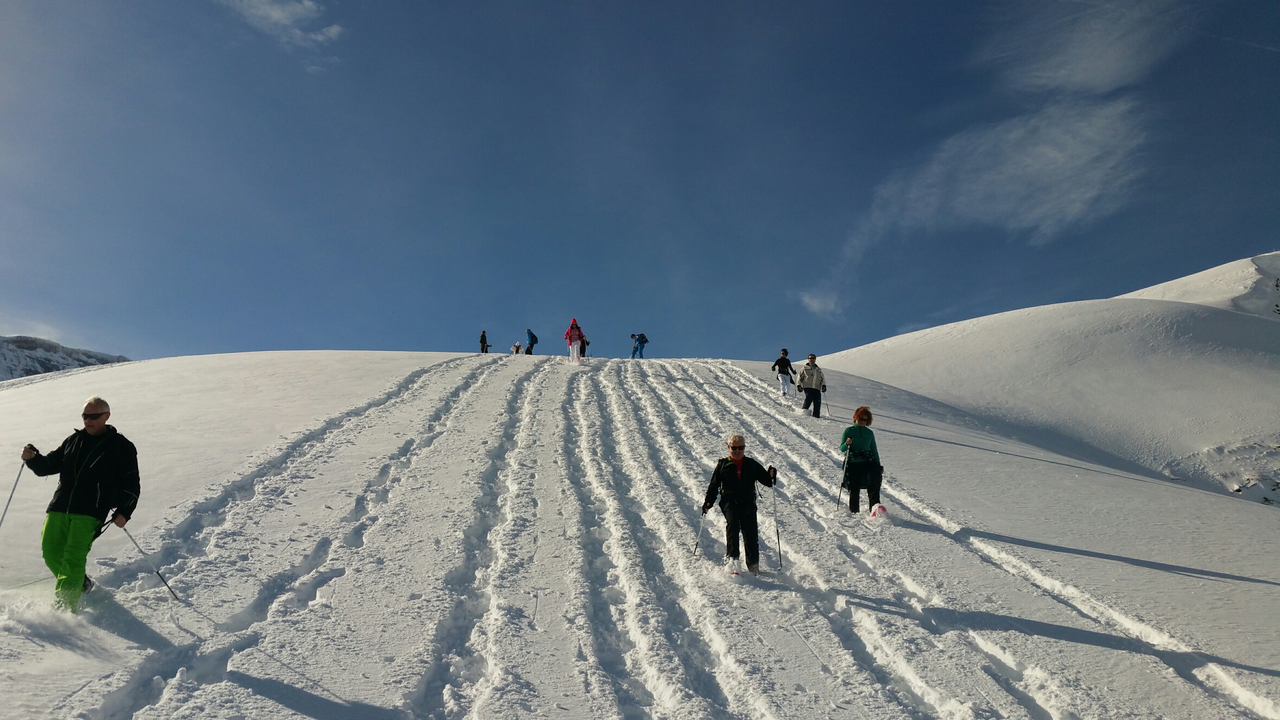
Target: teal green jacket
{"type": "Point", "coordinates": [860, 444]}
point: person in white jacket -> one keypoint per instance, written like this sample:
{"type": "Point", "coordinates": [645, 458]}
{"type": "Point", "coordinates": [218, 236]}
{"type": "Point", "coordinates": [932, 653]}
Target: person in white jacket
{"type": "Point", "coordinates": [813, 384]}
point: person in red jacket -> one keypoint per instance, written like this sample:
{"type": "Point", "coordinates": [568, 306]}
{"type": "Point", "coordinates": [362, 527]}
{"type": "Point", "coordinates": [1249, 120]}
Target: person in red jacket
{"type": "Point", "coordinates": [576, 340]}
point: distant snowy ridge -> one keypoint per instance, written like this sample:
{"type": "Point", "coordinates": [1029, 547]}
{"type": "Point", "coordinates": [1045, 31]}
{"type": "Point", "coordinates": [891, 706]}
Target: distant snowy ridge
{"type": "Point", "coordinates": [1178, 379]}
{"type": "Point", "coordinates": [1249, 286]}
{"type": "Point", "coordinates": [22, 356]}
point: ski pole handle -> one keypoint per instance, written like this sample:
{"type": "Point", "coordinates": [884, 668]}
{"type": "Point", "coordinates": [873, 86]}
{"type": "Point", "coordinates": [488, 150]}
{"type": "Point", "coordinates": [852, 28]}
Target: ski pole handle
{"type": "Point", "coordinates": [21, 467]}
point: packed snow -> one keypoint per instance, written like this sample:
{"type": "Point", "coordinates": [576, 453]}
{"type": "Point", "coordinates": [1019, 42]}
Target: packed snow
{"type": "Point", "coordinates": [1176, 382]}
{"type": "Point", "coordinates": [397, 535]}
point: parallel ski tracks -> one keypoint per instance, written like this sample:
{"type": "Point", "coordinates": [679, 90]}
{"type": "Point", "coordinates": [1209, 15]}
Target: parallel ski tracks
{"type": "Point", "coordinates": [1214, 681]}
{"type": "Point", "coordinates": [597, 470]}
{"type": "Point", "coordinates": [666, 655]}
{"type": "Point", "coordinates": [858, 665]}
{"type": "Point", "coordinates": [203, 545]}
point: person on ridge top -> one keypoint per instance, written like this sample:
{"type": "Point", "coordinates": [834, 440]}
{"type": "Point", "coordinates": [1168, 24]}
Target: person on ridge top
{"type": "Point", "coordinates": [575, 338]}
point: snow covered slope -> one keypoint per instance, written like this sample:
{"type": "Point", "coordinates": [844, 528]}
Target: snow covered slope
{"type": "Point", "coordinates": [395, 536]}
{"type": "Point", "coordinates": [1177, 381]}
{"type": "Point", "coordinates": [1250, 286]}
{"type": "Point", "coordinates": [22, 356]}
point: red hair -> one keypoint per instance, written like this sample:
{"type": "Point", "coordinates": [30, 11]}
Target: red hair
{"type": "Point", "coordinates": [862, 415]}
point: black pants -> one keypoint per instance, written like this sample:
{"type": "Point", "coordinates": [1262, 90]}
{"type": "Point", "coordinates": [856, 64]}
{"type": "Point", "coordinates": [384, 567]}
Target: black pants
{"type": "Point", "coordinates": [859, 475]}
{"type": "Point", "coordinates": [529, 350]}
{"type": "Point", "coordinates": [741, 520]}
{"type": "Point", "coordinates": [813, 396]}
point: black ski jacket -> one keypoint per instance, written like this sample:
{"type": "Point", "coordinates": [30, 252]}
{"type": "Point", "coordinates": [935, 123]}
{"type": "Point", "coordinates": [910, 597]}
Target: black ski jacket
{"type": "Point", "coordinates": [783, 365]}
{"type": "Point", "coordinates": [96, 474]}
{"type": "Point", "coordinates": [741, 491]}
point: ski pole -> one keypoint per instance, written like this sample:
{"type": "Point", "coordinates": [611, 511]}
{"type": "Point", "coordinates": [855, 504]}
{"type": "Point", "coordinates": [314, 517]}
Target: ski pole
{"type": "Point", "coordinates": [840, 490]}
{"type": "Point", "coordinates": [21, 467]}
{"type": "Point", "coordinates": [153, 567]}
{"type": "Point", "coordinates": [776, 531]}
{"type": "Point", "coordinates": [699, 540]}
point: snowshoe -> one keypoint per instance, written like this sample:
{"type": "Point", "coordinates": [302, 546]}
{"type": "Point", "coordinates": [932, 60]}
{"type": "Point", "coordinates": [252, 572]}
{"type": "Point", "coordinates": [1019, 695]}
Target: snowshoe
{"type": "Point", "coordinates": [879, 511]}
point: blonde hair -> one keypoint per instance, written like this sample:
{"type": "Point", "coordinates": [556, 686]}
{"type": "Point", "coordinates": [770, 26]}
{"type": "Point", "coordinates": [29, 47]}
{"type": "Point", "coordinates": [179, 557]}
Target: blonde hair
{"type": "Point", "coordinates": [738, 438]}
{"type": "Point", "coordinates": [99, 403]}
{"type": "Point", "coordinates": [862, 415]}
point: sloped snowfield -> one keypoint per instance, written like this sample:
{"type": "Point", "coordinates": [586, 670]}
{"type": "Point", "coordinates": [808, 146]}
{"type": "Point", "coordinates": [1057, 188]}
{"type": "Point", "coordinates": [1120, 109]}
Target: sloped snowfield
{"type": "Point", "coordinates": [500, 536]}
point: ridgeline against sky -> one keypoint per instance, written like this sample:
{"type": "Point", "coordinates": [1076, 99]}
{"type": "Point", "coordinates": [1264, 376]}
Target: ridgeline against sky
{"type": "Point", "coordinates": [229, 175]}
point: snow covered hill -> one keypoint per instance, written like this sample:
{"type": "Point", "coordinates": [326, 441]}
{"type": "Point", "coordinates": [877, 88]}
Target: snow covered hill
{"type": "Point", "coordinates": [389, 535]}
{"type": "Point", "coordinates": [1176, 382]}
{"type": "Point", "coordinates": [22, 356]}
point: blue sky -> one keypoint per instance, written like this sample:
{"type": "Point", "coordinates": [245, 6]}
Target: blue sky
{"type": "Point", "coordinates": [728, 178]}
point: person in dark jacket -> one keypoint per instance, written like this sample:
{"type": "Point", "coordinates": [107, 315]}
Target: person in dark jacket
{"type": "Point", "coordinates": [862, 467]}
{"type": "Point", "coordinates": [637, 345]}
{"type": "Point", "coordinates": [531, 341]}
{"type": "Point", "coordinates": [97, 476]}
{"type": "Point", "coordinates": [484, 342]}
{"type": "Point", "coordinates": [734, 480]}
{"type": "Point", "coordinates": [786, 374]}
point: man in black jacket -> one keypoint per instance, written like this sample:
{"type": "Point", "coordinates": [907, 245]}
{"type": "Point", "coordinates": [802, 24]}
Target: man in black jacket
{"type": "Point", "coordinates": [734, 479]}
{"type": "Point", "coordinates": [98, 475]}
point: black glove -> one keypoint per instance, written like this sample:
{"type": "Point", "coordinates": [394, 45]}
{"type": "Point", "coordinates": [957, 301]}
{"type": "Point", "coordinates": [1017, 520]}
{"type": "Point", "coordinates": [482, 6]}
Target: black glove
{"type": "Point", "coordinates": [773, 475]}
{"type": "Point", "coordinates": [824, 388]}
{"type": "Point", "coordinates": [705, 508]}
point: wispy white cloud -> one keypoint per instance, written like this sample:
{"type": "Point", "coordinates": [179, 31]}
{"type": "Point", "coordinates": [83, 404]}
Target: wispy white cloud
{"type": "Point", "coordinates": [1039, 174]}
{"type": "Point", "coordinates": [821, 301]}
{"type": "Point", "coordinates": [1074, 158]}
{"type": "Point", "coordinates": [289, 21]}
{"type": "Point", "coordinates": [1084, 46]}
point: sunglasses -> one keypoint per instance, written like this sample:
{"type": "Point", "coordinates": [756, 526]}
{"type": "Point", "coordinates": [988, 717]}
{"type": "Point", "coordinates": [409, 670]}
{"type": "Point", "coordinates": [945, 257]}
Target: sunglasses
{"type": "Point", "coordinates": [737, 447]}
{"type": "Point", "coordinates": [91, 416]}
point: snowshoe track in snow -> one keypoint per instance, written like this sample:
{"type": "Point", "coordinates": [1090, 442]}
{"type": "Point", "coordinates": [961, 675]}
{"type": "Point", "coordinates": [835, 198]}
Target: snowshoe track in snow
{"type": "Point", "coordinates": [509, 537]}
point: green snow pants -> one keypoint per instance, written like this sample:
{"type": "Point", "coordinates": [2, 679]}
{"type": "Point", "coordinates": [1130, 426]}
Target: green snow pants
{"type": "Point", "coordinates": [65, 543]}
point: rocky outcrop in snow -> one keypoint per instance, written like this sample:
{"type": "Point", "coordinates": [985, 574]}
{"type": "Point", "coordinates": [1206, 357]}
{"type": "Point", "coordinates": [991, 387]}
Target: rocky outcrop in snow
{"type": "Point", "coordinates": [22, 356]}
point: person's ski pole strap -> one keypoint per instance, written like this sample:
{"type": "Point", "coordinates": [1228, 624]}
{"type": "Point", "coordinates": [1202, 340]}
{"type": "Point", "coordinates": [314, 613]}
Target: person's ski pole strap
{"type": "Point", "coordinates": [21, 467]}
{"type": "Point", "coordinates": [153, 567]}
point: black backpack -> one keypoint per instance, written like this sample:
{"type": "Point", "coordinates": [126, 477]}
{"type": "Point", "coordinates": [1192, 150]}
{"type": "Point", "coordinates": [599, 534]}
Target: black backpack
{"type": "Point", "coordinates": [533, 339]}
{"type": "Point", "coordinates": [642, 339]}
